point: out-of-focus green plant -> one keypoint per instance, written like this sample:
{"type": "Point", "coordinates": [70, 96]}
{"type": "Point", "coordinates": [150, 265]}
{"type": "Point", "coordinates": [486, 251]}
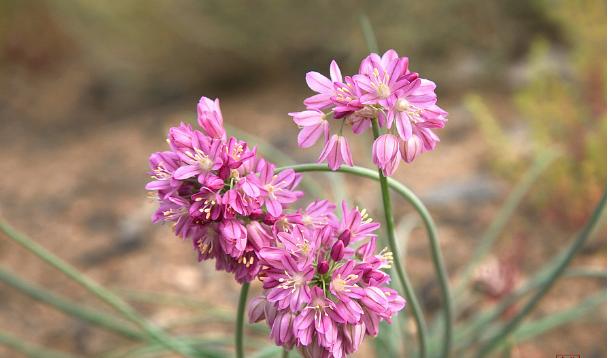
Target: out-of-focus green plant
{"type": "Point", "coordinates": [563, 104]}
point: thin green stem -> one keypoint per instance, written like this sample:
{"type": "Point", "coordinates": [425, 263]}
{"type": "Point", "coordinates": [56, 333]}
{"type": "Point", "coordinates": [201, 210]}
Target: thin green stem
{"type": "Point", "coordinates": [480, 323]}
{"type": "Point", "coordinates": [392, 243]}
{"type": "Point", "coordinates": [408, 195]}
{"type": "Point", "coordinates": [102, 320]}
{"type": "Point", "coordinates": [495, 341]}
{"type": "Point", "coordinates": [368, 33]}
{"type": "Point", "coordinates": [240, 320]}
{"type": "Point", "coordinates": [285, 353]}
{"type": "Point", "coordinates": [153, 332]}
{"type": "Point", "coordinates": [30, 349]}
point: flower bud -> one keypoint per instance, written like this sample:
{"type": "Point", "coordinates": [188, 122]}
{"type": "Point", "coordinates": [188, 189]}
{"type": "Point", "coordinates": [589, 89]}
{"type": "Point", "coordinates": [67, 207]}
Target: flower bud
{"type": "Point", "coordinates": [323, 267]}
{"type": "Point", "coordinates": [345, 237]}
{"type": "Point", "coordinates": [210, 118]}
{"type": "Point", "coordinates": [337, 251]}
{"type": "Point", "coordinates": [385, 153]}
{"type": "Point", "coordinates": [256, 309]}
{"type": "Point", "coordinates": [411, 148]}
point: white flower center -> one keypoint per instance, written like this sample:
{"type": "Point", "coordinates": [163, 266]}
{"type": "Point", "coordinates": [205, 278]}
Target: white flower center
{"type": "Point", "coordinates": [402, 105]}
{"type": "Point", "coordinates": [382, 90]}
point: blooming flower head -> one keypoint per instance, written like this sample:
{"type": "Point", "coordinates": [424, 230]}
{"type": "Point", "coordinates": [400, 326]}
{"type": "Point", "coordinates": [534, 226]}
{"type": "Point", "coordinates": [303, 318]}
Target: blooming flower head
{"type": "Point", "coordinates": [324, 288]}
{"type": "Point", "coordinates": [217, 193]}
{"type": "Point", "coordinates": [385, 90]}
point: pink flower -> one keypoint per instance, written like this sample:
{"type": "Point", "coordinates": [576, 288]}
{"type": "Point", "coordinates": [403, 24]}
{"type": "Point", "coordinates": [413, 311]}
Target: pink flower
{"type": "Point", "coordinates": [336, 152]}
{"type": "Point", "coordinates": [346, 97]}
{"type": "Point", "coordinates": [385, 153]}
{"type": "Point", "coordinates": [234, 237]}
{"type": "Point", "coordinates": [200, 159]}
{"type": "Point", "coordinates": [315, 284]}
{"type": "Point", "coordinates": [415, 106]}
{"type": "Point", "coordinates": [286, 281]}
{"type": "Point", "coordinates": [317, 318]}
{"type": "Point", "coordinates": [422, 140]}
{"type": "Point", "coordinates": [385, 90]}
{"type": "Point", "coordinates": [214, 191]}
{"type": "Point", "coordinates": [358, 223]}
{"type": "Point", "coordinates": [210, 118]}
{"type": "Point", "coordinates": [411, 148]}
{"type": "Point", "coordinates": [282, 329]}
{"type": "Point", "coordinates": [277, 188]}
{"type": "Point", "coordinates": [163, 165]}
{"type": "Point", "coordinates": [319, 214]}
{"type": "Point", "coordinates": [381, 77]}
{"type": "Point", "coordinates": [312, 124]}
{"type": "Point", "coordinates": [323, 86]}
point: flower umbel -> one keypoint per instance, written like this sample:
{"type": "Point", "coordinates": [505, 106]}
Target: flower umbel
{"type": "Point", "coordinates": [219, 194]}
{"type": "Point", "coordinates": [324, 288]}
{"type": "Point", "coordinates": [384, 89]}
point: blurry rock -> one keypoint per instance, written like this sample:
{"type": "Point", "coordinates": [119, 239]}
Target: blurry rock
{"type": "Point", "coordinates": [477, 189]}
{"type": "Point", "coordinates": [130, 237]}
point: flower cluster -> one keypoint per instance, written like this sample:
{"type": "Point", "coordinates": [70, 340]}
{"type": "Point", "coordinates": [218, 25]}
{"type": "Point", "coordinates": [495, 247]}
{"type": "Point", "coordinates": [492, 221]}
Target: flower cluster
{"type": "Point", "coordinates": [384, 89]}
{"type": "Point", "coordinates": [219, 194]}
{"type": "Point", "coordinates": [324, 288]}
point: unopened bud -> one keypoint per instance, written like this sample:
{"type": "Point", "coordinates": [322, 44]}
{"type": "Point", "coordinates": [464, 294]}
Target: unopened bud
{"type": "Point", "coordinates": [337, 251]}
{"type": "Point", "coordinates": [345, 237]}
{"type": "Point", "coordinates": [323, 267]}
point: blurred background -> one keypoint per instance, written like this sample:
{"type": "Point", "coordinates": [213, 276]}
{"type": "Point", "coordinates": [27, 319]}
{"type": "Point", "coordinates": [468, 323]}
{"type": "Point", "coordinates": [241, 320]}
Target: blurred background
{"type": "Point", "coordinates": [89, 89]}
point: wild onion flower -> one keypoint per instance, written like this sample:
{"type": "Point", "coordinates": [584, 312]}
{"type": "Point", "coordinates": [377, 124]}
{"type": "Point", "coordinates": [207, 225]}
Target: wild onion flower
{"type": "Point", "coordinates": [217, 193]}
{"type": "Point", "coordinates": [324, 285]}
{"type": "Point", "coordinates": [384, 89]}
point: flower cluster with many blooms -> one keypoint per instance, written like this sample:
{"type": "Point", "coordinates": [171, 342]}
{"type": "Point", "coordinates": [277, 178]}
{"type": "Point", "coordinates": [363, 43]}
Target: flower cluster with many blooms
{"type": "Point", "coordinates": [219, 194]}
{"type": "Point", "coordinates": [384, 89]}
{"type": "Point", "coordinates": [324, 288]}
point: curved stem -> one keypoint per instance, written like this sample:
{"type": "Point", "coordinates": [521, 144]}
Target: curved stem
{"type": "Point", "coordinates": [408, 195]}
{"type": "Point", "coordinates": [553, 276]}
{"type": "Point", "coordinates": [240, 319]}
{"type": "Point", "coordinates": [392, 243]}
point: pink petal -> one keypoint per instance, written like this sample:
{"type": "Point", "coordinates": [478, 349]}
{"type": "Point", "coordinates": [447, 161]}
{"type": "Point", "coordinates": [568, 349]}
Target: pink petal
{"type": "Point", "coordinates": [319, 83]}
{"type": "Point", "coordinates": [307, 118]}
{"type": "Point", "coordinates": [186, 171]}
{"type": "Point", "coordinates": [334, 72]}
{"type": "Point", "coordinates": [308, 136]}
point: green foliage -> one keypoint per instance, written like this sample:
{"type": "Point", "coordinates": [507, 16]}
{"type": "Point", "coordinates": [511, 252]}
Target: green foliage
{"type": "Point", "coordinates": [562, 103]}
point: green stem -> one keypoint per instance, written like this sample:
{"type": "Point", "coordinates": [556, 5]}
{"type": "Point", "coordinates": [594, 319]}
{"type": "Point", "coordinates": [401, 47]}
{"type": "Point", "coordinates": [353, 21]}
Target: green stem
{"type": "Point", "coordinates": [92, 286]}
{"type": "Point", "coordinates": [392, 243]}
{"type": "Point", "coordinates": [240, 319]}
{"type": "Point", "coordinates": [553, 276]}
{"type": "Point", "coordinates": [285, 353]}
{"type": "Point", "coordinates": [30, 349]}
{"type": "Point", "coordinates": [102, 320]}
{"type": "Point", "coordinates": [408, 195]}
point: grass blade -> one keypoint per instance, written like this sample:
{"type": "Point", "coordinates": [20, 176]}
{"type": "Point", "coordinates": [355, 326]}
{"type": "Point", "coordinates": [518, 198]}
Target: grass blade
{"type": "Point", "coordinates": [553, 276]}
{"type": "Point", "coordinates": [502, 218]}
{"type": "Point", "coordinates": [30, 349]}
{"type": "Point", "coordinates": [532, 329]}
{"type": "Point", "coordinates": [153, 332]}
{"type": "Point", "coordinates": [102, 320]}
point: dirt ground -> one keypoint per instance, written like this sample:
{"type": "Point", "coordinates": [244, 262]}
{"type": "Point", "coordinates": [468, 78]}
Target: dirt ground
{"type": "Point", "coordinates": [76, 186]}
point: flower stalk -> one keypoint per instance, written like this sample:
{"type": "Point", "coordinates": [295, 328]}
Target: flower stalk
{"type": "Point", "coordinates": [408, 195]}
{"type": "Point", "coordinates": [401, 275]}
{"type": "Point", "coordinates": [240, 321]}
